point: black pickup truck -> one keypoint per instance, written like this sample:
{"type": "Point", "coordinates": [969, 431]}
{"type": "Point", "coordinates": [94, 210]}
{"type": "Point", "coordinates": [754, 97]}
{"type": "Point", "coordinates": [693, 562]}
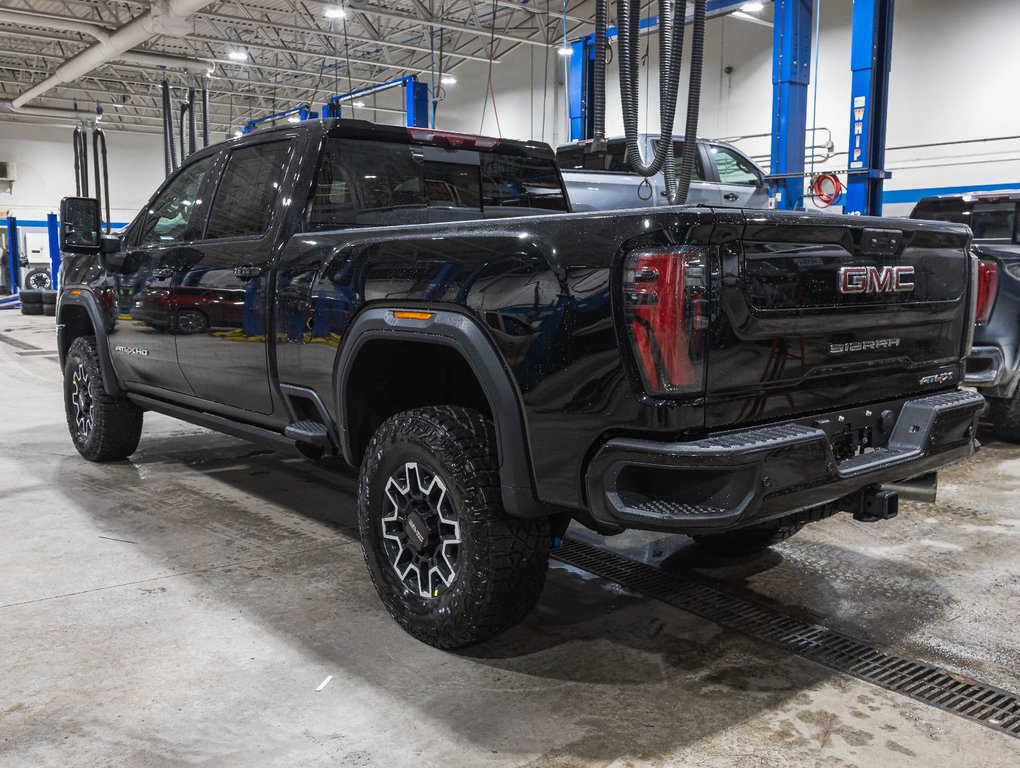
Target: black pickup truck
{"type": "Point", "coordinates": [424, 305]}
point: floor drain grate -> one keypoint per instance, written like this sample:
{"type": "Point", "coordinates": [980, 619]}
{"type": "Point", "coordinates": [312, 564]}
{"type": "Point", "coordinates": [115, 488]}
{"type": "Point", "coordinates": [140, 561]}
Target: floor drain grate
{"type": "Point", "coordinates": [994, 707]}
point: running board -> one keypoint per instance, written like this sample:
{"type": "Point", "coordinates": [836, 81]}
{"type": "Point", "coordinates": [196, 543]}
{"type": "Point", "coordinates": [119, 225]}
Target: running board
{"type": "Point", "coordinates": [308, 431]}
{"type": "Point", "coordinates": [217, 423]}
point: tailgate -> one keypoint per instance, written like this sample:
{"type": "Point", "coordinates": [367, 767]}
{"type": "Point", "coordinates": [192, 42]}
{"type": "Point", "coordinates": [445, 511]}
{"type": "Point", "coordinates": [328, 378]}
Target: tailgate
{"type": "Point", "coordinates": [817, 311]}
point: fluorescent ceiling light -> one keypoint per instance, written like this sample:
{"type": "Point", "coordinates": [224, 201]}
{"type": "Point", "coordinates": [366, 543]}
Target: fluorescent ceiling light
{"type": "Point", "coordinates": [238, 55]}
{"type": "Point", "coordinates": [239, 133]}
{"type": "Point", "coordinates": [335, 13]}
{"type": "Point", "coordinates": [293, 119]}
{"type": "Point", "coordinates": [448, 80]}
{"type": "Point", "coordinates": [566, 50]}
{"type": "Point", "coordinates": [358, 104]}
{"type": "Point", "coordinates": [752, 7]}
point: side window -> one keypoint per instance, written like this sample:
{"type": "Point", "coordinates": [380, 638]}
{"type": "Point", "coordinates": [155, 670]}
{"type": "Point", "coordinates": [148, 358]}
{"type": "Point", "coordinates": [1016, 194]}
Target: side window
{"type": "Point", "coordinates": [510, 182]}
{"type": "Point", "coordinates": [734, 168]}
{"type": "Point", "coordinates": [678, 160]}
{"type": "Point", "coordinates": [166, 221]}
{"type": "Point", "coordinates": [365, 183]}
{"type": "Point", "coordinates": [942, 210]}
{"type": "Point", "coordinates": [247, 193]}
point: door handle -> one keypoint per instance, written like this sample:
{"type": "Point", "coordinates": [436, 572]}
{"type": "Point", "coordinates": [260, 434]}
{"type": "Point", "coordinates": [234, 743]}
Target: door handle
{"type": "Point", "coordinates": [730, 196]}
{"type": "Point", "coordinates": [162, 273]}
{"type": "Point", "coordinates": [247, 272]}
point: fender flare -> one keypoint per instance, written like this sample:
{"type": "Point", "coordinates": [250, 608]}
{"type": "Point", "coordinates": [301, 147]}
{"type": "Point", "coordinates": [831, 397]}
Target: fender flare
{"type": "Point", "coordinates": [463, 334]}
{"type": "Point", "coordinates": [88, 301]}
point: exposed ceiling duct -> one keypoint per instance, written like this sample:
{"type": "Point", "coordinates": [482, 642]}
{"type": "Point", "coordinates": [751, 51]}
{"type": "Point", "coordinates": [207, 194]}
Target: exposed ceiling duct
{"type": "Point", "coordinates": [168, 17]}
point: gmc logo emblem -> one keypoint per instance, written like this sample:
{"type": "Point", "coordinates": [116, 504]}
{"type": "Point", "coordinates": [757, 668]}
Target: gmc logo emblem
{"type": "Point", "coordinates": [876, 279]}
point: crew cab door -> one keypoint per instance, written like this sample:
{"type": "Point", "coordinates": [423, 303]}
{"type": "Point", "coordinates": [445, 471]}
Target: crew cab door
{"type": "Point", "coordinates": [143, 342]}
{"type": "Point", "coordinates": [222, 299]}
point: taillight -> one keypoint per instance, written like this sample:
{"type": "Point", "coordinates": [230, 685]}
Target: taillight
{"type": "Point", "coordinates": [666, 310]}
{"type": "Point", "coordinates": [988, 285]}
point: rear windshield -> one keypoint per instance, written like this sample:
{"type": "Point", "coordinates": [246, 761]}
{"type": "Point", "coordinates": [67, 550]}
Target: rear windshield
{"type": "Point", "coordinates": [988, 221]}
{"type": "Point", "coordinates": [372, 183]}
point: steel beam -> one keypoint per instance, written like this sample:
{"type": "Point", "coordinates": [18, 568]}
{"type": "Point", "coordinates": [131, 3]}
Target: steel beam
{"type": "Point", "coordinates": [791, 74]}
{"type": "Point", "coordinates": [870, 60]}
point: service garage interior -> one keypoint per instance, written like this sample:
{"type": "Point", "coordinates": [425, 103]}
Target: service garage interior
{"type": "Point", "coordinates": [184, 585]}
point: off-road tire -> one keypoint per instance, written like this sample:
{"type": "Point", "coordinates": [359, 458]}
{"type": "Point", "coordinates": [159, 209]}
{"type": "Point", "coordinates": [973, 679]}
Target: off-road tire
{"type": "Point", "coordinates": [746, 541]}
{"type": "Point", "coordinates": [115, 423]}
{"type": "Point", "coordinates": [28, 296]}
{"type": "Point", "coordinates": [31, 309]}
{"type": "Point", "coordinates": [49, 297]}
{"type": "Point", "coordinates": [50, 310]}
{"type": "Point", "coordinates": [501, 562]}
{"type": "Point", "coordinates": [1004, 414]}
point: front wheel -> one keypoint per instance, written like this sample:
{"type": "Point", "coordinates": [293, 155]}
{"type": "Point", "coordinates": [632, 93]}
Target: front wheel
{"type": "Point", "coordinates": [103, 427]}
{"type": "Point", "coordinates": [448, 562]}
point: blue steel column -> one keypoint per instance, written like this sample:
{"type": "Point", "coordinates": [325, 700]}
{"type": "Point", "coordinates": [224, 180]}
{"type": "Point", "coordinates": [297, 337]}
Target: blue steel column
{"type": "Point", "coordinates": [13, 257]}
{"type": "Point", "coordinates": [580, 85]}
{"type": "Point", "coordinates": [791, 74]}
{"type": "Point", "coordinates": [417, 103]}
{"type": "Point", "coordinates": [870, 59]}
{"type": "Point", "coordinates": [52, 228]}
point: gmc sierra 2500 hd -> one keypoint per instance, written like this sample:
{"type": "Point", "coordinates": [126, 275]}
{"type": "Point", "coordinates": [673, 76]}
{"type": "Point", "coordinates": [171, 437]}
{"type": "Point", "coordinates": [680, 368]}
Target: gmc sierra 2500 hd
{"type": "Point", "coordinates": [423, 304]}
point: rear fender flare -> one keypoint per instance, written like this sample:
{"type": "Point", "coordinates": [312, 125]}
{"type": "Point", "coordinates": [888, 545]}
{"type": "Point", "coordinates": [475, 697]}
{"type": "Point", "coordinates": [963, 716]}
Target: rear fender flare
{"type": "Point", "coordinates": [463, 334]}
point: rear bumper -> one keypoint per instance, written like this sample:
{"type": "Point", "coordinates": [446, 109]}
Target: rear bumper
{"type": "Point", "coordinates": [741, 478]}
{"type": "Point", "coordinates": [988, 368]}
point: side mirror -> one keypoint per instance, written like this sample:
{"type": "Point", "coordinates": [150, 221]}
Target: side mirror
{"type": "Point", "coordinates": [79, 225]}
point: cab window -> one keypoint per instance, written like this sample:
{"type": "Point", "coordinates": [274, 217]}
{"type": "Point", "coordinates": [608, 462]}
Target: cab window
{"type": "Point", "coordinates": [734, 168]}
{"type": "Point", "coordinates": [167, 220]}
{"type": "Point", "coordinates": [247, 192]}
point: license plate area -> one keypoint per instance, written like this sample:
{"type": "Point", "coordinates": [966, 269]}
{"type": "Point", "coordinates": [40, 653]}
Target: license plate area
{"type": "Point", "coordinates": [857, 431]}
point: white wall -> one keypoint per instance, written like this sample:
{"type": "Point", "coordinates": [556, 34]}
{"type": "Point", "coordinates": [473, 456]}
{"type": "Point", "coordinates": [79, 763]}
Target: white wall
{"type": "Point", "coordinates": [45, 167]}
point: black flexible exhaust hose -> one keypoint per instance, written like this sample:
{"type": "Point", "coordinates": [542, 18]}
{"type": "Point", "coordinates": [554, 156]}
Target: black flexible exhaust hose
{"type": "Point", "coordinates": [95, 164]}
{"type": "Point", "coordinates": [99, 145]}
{"type": "Point", "coordinates": [678, 189]}
{"type": "Point", "coordinates": [601, 22]}
{"type": "Point", "coordinates": [77, 161]}
{"type": "Point", "coordinates": [183, 125]}
{"type": "Point", "coordinates": [83, 147]}
{"type": "Point", "coordinates": [205, 113]}
{"type": "Point", "coordinates": [671, 44]}
{"type": "Point", "coordinates": [169, 151]}
{"type": "Point", "coordinates": [191, 121]}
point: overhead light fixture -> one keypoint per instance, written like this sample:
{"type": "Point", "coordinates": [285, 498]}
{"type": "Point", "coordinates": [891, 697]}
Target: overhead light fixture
{"type": "Point", "coordinates": [335, 13]}
{"type": "Point", "coordinates": [448, 80]}
{"type": "Point", "coordinates": [293, 119]}
{"type": "Point", "coordinates": [239, 133]}
{"type": "Point", "coordinates": [358, 104]}
{"type": "Point", "coordinates": [566, 50]}
{"type": "Point", "coordinates": [752, 7]}
{"type": "Point", "coordinates": [238, 55]}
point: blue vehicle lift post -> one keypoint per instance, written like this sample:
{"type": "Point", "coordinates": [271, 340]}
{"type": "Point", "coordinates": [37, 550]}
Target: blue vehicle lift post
{"type": "Point", "coordinates": [13, 258]}
{"type": "Point", "coordinates": [791, 74]}
{"type": "Point", "coordinates": [53, 229]}
{"type": "Point", "coordinates": [416, 100]}
{"type": "Point", "coordinates": [870, 60]}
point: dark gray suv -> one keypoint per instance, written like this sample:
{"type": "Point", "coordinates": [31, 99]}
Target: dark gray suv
{"type": "Point", "coordinates": [994, 364]}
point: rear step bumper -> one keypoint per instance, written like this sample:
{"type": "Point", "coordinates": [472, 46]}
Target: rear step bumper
{"type": "Point", "coordinates": [741, 478]}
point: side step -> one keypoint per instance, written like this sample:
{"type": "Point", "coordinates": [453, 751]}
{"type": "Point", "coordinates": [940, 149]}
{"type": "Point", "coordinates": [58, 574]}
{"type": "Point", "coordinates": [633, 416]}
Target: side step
{"type": "Point", "coordinates": [308, 431]}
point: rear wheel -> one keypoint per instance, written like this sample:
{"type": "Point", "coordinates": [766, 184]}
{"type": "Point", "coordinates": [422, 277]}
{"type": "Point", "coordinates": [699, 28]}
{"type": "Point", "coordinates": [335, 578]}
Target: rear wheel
{"type": "Point", "coordinates": [103, 427]}
{"type": "Point", "coordinates": [747, 541]}
{"type": "Point", "coordinates": [448, 562]}
{"type": "Point", "coordinates": [1005, 417]}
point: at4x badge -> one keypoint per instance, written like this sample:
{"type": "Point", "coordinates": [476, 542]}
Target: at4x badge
{"type": "Point", "coordinates": [938, 378]}
{"type": "Point", "coordinates": [131, 350]}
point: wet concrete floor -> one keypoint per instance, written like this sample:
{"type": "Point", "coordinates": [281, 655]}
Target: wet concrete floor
{"type": "Point", "coordinates": [182, 608]}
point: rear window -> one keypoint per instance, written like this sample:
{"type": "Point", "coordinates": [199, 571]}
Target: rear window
{"type": "Point", "coordinates": [615, 159]}
{"type": "Point", "coordinates": [371, 183]}
{"type": "Point", "coordinates": [988, 221]}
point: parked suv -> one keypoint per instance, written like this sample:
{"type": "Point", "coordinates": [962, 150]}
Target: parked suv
{"type": "Point", "coordinates": [422, 304]}
{"type": "Point", "coordinates": [604, 181]}
{"type": "Point", "coordinates": [994, 363]}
